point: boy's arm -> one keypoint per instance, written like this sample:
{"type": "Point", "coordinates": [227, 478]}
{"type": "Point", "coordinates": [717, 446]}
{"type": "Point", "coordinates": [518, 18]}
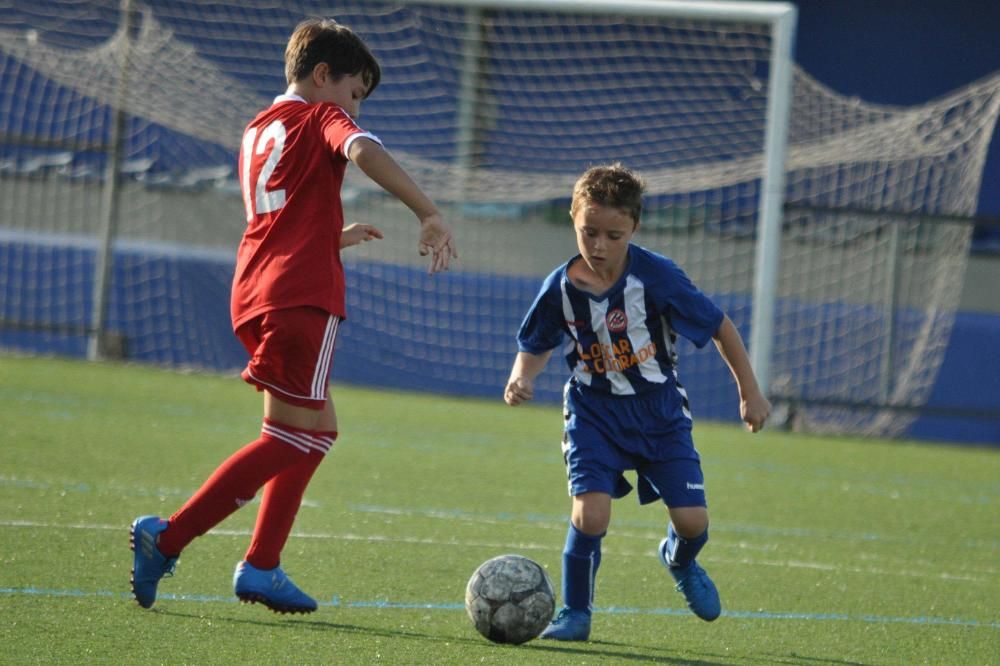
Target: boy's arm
{"type": "Point", "coordinates": [754, 407]}
{"type": "Point", "coordinates": [435, 235]}
{"type": "Point", "coordinates": [521, 385]}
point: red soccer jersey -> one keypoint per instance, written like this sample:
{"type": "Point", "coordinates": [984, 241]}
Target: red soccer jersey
{"type": "Point", "coordinates": [292, 166]}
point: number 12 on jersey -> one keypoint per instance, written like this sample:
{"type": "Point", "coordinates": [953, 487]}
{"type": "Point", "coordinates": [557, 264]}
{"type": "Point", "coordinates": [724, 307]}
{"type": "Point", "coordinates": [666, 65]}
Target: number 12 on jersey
{"type": "Point", "coordinates": [258, 199]}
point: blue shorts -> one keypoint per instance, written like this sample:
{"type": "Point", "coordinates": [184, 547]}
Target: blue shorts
{"type": "Point", "coordinates": [606, 435]}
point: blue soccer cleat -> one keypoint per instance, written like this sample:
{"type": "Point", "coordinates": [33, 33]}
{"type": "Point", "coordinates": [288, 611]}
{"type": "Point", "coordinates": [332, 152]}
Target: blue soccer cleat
{"type": "Point", "coordinates": [697, 588]}
{"type": "Point", "coordinates": [149, 565]}
{"type": "Point", "coordinates": [271, 587]}
{"type": "Point", "coordinates": [570, 625]}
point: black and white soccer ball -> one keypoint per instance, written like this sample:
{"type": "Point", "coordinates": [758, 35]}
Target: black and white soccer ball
{"type": "Point", "coordinates": [510, 599]}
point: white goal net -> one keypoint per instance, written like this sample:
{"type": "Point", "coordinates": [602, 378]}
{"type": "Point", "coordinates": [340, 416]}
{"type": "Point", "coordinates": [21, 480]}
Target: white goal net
{"type": "Point", "coordinates": [495, 112]}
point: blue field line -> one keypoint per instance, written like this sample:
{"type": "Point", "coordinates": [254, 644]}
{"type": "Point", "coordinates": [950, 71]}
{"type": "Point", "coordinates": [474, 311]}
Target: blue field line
{"type": "Point", "coordinates": [385, 604]}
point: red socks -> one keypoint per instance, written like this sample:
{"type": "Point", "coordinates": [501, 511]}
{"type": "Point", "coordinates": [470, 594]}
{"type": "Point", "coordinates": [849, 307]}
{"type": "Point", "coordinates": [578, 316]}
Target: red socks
{"type": "Point", "coordinates": [284, 458]}
{"type": "Point", "coordinates": [280, 503]}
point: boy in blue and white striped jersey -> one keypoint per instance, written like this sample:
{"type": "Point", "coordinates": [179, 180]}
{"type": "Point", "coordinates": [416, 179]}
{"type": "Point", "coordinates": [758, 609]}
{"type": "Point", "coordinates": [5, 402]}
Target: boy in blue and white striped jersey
{"type": "Point", "coordinates": [617, 309]}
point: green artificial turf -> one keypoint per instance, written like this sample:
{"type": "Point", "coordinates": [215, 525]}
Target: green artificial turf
{"type": "Point", "coordinates": [825, 550]}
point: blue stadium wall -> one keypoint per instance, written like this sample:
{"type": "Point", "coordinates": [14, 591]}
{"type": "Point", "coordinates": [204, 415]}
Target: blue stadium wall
{"type": "Point", "coordinates": [172, 309]}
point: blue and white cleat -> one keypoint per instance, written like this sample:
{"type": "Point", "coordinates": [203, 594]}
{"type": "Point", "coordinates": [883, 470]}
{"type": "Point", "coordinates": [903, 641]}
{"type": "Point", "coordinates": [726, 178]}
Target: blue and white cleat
{"type": "Point", "coordinates": [149, 565]}
{"type": "Point", "coordinates": [570, 625]}
{"type": "Point", "coordinates": [698, 589]}
{"type": "Point", "coordinates": [271, 587]}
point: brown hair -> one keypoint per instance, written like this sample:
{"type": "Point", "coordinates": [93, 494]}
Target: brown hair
{"type": "Point", "coordinates": [324, 40]}
{"type": "Point", "coordinates": [612, 185]}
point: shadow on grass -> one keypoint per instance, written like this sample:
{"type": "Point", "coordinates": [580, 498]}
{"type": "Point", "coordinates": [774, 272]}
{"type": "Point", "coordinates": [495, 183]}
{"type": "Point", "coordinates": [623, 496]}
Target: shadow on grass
{"type": "Point", "coordinates": [793, 658]}
{"type": "Point", "coordinates": [585, 650]}
{"type": "Point", "coordinates": [595, 649]}
{"type": "Point", "coordinates": [590, 649]}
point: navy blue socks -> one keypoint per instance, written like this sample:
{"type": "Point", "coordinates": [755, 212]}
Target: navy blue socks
{"type": "Point", "coordinates": [680, 552]}
{"type": "Point", "coordinates": [581, 558]}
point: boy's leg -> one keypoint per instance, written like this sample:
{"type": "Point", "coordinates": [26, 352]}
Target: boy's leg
{"type": "Point", "coordinates": [157, 543]}
{"type": "Point", "coordinates": [682, 487]}
{"type": "Point", "coordinates": [581, 559]}
{"type": "Point", "coordinates": [283, 493]}
{"type": "Point", "coordinates": [687, 534]}
{"type": "Point", "coordinates": [279, 506]}
{"type": "Point", "coordinates": [692, 522]}
{"type": "Point", "coordinates": [291, 352]}
{"type": "Point", "coordinates": [290, 355]}
{"type": "Point", "coordinates": [234, 483]}
{"type": "Point", "coordinates": [594, 469]}
{"type": "Point", "coordinates": [259, 578]}
{"type": "Point", "coordinates": [678, 555]}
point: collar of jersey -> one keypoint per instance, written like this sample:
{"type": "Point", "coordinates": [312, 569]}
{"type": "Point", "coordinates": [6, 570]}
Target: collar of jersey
{"type": "Point", "coordinates": [285, 97]}
{"type": "Point", "coordinates": [599, 297]}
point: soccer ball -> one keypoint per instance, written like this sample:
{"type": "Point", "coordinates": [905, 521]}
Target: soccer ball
{"type": "Point", "coordinates": [510, 599]}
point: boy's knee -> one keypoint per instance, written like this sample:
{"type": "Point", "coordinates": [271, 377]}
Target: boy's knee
{"type": "Point", "coordinates": [591, 525]}
{"type": "Point", "coordinates": [591, 513]}
{"type": "Point", "coordinates": [591, 520]}
{"type": "Point", "coordinates": [690, 522]}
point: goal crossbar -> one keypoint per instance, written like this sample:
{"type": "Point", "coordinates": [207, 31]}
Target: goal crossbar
{"type": "Point", "coordinates": [745, 12]}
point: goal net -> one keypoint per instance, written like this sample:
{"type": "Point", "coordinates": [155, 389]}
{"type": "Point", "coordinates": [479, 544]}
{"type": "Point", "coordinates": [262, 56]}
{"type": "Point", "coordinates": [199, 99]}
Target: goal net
{"type": "Point", "coordinates": [123, 120]}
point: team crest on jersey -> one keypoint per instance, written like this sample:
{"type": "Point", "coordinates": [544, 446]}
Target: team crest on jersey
{"type": "Point", "coordinates": [617, 321]}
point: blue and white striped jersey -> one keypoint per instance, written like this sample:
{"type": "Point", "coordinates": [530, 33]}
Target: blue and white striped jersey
{"type": "Point", "coordinates": [621, 342]}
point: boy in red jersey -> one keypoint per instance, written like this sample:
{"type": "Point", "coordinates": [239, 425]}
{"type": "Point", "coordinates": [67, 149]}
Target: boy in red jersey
{"type": "Point", "coordinates": [287, 303]}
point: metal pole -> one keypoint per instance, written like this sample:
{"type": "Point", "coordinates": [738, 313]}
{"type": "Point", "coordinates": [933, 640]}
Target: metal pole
{"type": "Point", "coordinates": [891, 303]}
{"type": "Point", "coordinates": [468, 100]}
{"type": "Point", "coordinates": [111, 194]}
{"type": "Point", "coordinates": [768, 252]}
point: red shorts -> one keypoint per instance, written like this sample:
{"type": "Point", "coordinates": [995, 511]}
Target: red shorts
{"type": "Point", "coordinates": [291, 352]}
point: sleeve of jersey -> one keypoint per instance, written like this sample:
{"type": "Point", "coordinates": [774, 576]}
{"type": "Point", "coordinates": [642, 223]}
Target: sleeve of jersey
{"type": "Point", "coordinates": [692, 314]}
{"type": "Point", "coordinates": [340, 130]}
{"type": "Point", "coordinates": [542, 328]}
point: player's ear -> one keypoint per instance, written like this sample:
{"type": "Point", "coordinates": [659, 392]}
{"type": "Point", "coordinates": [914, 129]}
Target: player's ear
{"type": "Point", "coordinates": [320, 73]}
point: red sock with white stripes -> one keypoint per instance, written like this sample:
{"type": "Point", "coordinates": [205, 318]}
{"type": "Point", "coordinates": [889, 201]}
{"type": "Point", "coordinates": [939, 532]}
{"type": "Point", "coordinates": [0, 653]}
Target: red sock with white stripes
{"type": "Point", "coordinates": [235, 482]}
{"type": "Point", "coordinates": [279, 506]}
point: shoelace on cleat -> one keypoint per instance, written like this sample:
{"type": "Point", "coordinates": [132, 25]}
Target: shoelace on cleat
{"type": "Point", "coordinates": [693, 580]}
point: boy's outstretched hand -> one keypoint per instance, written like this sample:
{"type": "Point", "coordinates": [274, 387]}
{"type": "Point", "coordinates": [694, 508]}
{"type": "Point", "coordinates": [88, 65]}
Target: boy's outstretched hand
{"type": "Point", "coordinates": [754, 411]}
{"type": "Point", "coordinates": [353, 234]}
{"type": "Point", "coordinates": [436, 240]}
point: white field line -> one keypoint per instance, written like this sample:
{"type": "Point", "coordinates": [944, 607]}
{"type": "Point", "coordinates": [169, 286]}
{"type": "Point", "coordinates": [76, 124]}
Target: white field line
{"type": "Point", "coordinates": [838, 568]}
{"type": "Point", "coordinates": [758, 532]}
{"type": "Point", "coordinates": [67, 488]}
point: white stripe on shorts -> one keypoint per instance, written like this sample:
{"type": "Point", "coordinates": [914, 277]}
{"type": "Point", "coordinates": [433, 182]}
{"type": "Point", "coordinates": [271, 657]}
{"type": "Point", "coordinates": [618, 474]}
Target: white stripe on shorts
{"type": "Point", "coordinates": [322, 373]}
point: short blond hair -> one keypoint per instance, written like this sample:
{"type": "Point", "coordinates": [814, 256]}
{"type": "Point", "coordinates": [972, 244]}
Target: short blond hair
{"type": "Point", "coordinates": [612, 185]}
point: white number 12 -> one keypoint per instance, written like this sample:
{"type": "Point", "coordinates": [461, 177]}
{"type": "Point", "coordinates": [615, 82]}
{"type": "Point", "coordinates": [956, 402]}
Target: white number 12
{"type": "Point", "coordinates": [261, 199]}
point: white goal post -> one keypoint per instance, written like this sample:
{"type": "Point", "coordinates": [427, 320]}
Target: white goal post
{"type": "Point", "coordinates": [782, 18]}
